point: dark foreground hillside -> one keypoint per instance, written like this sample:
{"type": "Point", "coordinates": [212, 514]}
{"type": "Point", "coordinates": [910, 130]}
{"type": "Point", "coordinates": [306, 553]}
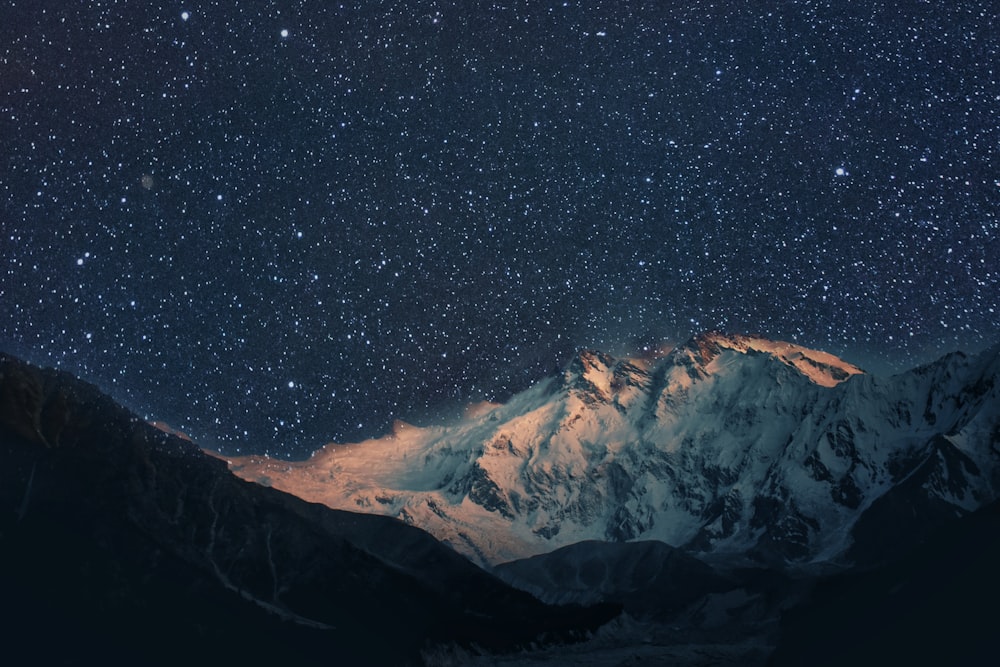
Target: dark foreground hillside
{"type": "Point", "coordinates": [937, 605]}
{"type": "Point", "coordinates": [122, 544]}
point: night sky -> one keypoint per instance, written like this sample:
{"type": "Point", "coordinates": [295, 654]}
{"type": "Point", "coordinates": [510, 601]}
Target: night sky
{"type": "Point", "coordinates": [277, 224]}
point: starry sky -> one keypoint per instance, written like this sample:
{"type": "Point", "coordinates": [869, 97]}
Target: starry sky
{"type": "Point", "coordinates": [274, 224]}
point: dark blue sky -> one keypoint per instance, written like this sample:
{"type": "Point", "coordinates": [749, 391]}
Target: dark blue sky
{"type": "Point", "coordinates": [276, 224]}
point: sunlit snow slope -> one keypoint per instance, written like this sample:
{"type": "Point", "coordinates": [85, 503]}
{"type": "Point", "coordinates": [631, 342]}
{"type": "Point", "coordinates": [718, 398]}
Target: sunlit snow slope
{"type": "Point", "coordinates": [726, 444]}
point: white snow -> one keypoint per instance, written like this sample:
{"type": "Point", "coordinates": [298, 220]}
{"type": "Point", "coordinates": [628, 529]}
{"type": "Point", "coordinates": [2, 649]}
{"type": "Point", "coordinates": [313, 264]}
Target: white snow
{"type": "Point", "coordinates": [635, 449]}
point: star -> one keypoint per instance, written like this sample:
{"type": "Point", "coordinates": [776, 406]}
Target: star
{"type": "Point", "coordinates": [400, 216]}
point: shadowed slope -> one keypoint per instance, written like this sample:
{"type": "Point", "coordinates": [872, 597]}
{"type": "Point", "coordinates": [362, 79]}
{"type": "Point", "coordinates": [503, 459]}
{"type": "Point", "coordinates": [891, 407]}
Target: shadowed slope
{"type": "Point", "coordinates": [132, 545]}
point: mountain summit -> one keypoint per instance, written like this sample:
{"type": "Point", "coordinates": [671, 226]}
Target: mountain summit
{"type": "Point", "coordinates": [728, 445]}
{"type": "Point", "coordinates": [820, 367]}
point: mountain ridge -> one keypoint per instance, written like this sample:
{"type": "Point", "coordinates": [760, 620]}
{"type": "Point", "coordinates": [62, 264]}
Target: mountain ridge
{"type": "Point", "coordinates": [726, 444]}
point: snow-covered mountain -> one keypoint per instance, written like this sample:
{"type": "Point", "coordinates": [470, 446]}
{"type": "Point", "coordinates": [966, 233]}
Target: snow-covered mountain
{"type": "Point", "coordinates": [724, 445]}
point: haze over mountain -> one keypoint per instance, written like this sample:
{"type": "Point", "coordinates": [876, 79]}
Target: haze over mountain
{"type": "Point", "coordinates": [732, 446]}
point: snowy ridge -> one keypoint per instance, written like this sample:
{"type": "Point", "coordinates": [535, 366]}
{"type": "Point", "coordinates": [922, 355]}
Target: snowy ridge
{"type": "Point", "coordinates": [725, 445]}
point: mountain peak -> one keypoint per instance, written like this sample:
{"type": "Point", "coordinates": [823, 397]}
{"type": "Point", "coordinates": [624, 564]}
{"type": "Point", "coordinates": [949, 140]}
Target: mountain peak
{"type": "Point", "coordinates": [589, 373]}
{"type": "Point", "coordinates": [598, 377]}
{"type": "Point", "coordinates": [821, 368]}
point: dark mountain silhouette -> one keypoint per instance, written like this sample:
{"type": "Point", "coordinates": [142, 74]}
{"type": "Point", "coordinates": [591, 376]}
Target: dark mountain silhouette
{"type": "Point", "coordinates": [120, 543]}
{"type": "Point", "coordinates": [936, 605]}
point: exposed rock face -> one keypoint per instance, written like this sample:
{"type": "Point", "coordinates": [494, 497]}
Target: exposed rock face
{"type": "Point", "coordinates": [726, 445]}
{"type": "Point", "coordinates": [132, 545]}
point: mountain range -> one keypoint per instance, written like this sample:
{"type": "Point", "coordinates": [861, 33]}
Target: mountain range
{"type": "Point", "coordinates": [705, 505]}
{"type": "Point", "coordinates": [734, 448]}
